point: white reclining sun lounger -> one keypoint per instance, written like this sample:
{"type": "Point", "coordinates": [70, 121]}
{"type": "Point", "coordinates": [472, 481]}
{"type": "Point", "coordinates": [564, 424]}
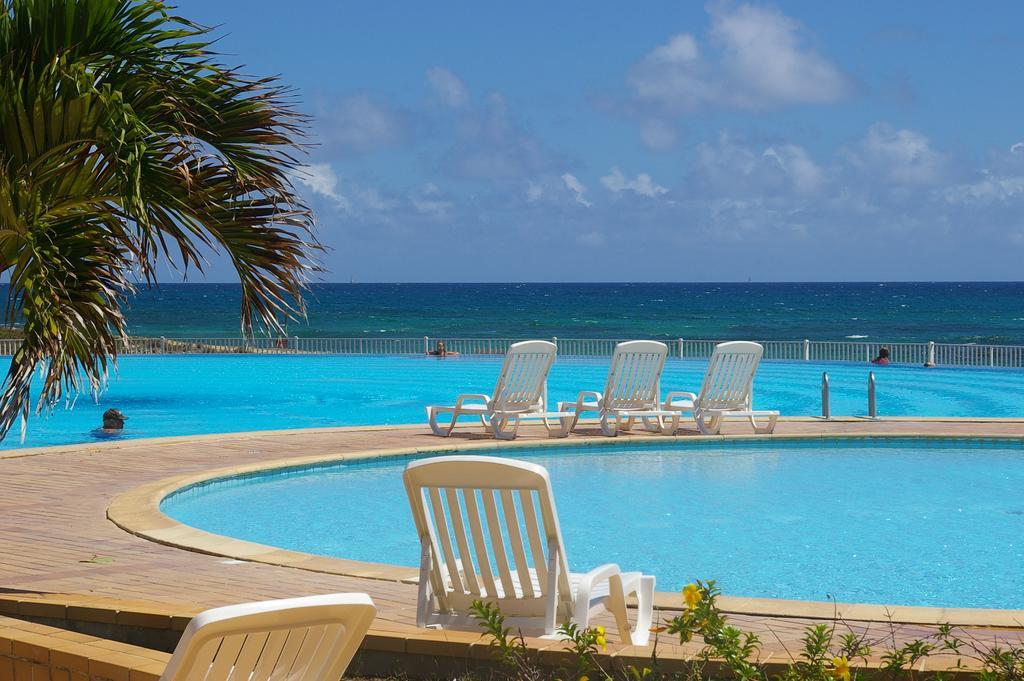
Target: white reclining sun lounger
{"type": "Point", "coordinates": [301, 639]}
{"type": "Point", "coordinates": [631, 391]}
{"type": "Point", "coordinates": [520, 393]}
{"type": "Point", "coordinates": [489, 531]}
{"type": "Point", "coordinates": [727, 390]}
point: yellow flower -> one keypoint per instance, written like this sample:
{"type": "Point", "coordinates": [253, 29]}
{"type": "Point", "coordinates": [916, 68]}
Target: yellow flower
{"type": "Point", "coordinates": [599, 629]}
{"type": "Point", "coordinates": [840, 668]}
{"type": "Point", "coordinates": [692, 595]}
{"type": "Point", "coordinates": [584, 678]}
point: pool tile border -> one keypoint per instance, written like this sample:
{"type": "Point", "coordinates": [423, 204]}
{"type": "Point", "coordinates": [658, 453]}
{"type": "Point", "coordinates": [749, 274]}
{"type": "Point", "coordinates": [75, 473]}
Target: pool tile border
{"type": "Point", "coordinates": [137, 512]}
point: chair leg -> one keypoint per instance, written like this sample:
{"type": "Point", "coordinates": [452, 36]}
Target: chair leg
{"type": "Point", "coordinates": [672, 429]}
{"type": "Point", "coordinates": [644, 611]}
{"type": "Point", "coordinates": [608, 428]}
{"type": "Point", "coordinates": [617, 606]}
{"type": "Point", "coordinates": [498, 424]}
{"type": "Point", "coordinates": [438, 430]}
{"type": "Point", "coordinates": [764, 430]}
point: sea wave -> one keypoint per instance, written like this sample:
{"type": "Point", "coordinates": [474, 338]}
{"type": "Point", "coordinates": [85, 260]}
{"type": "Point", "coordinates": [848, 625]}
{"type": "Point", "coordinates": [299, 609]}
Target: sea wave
{"type": "Point", "coordinates": [857, 335]}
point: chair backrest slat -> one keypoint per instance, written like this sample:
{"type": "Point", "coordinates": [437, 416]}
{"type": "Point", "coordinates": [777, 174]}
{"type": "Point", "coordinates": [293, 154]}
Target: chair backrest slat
{"type": "Point", "coordinates": [634, 377]}
{"type": "Point", "coordinates": [459, 530]}
{"type": "Point", "coordinates": [297, 639]}
{"type": "Point", "coordinates": [511, 551]}
{"type": "Point", "coordinates": [526, 503]}
{"type": "Point", "coordinates": [249, 656]}
{"type": "Point", "coordinates": [515, 540]}
{"type": "Point", "coordinates": [523, 379]}
{"type": "Point", "coordinates": [498, 543]}
{"type": "Point", "coordinates": [224, 661]}
{"type": "Point", "coordinates": [290, 650]}
{"type": "Point", "coordinates": [444, 538]}
{"type": "Point", "coordinates": [483, 559]}
{"type": "Point", "coordinates": [269, 655]}
{"type": "Point", "coordinates": [730, 375]}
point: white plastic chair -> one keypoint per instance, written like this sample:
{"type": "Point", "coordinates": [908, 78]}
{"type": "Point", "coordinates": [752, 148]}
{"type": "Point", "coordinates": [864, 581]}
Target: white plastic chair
{"type": "Point", "coordinates": [631, 391]}
{"type": "Point", "coordinates": [520, 393]}
{"type": "Point", "coordinates": [489, 531]}
{"type": "Point", "coordinates": [727, 390]}
{"type": "Point", "coordinates": [299, 639]}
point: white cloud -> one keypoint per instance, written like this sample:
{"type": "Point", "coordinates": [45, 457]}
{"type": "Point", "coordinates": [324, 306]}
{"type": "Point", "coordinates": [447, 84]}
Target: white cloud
{"type": "Point", "coordinates": [900, 156]}
{"type": "Point", "coordinates": [322, 180]}
{"type": "Point", "coordinates": [1017, 148]}
{"type": "Point", "coordinates": [428, 202]}
{"type": "Point", "coordinates": [759, 59]}
{"type": "Point", "coordinates": [794, 160]}
{"type": "Point", "coordinates": [491, 145]}
{"type": "Point", "coordinates": [448, 88]}
{"type": "Point", "coordinates": [658, 134]}
{"type": "Point", "coordinates": [642, 185]}
{"type": "Point", "coordinates": [990, 188]}
{"type": "Point", "coordinates": [359, 123]}
{"type": "Point", "coordinates": [577, 188]}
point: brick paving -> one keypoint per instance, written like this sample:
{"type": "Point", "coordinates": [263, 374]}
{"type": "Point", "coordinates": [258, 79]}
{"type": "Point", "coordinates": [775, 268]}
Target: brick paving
{"type": "Point", "coordinates": [53, 511]}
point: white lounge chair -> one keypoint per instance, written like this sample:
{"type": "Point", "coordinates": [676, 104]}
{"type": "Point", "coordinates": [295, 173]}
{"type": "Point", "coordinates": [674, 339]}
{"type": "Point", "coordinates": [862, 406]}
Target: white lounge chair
{"type": "Point", "coordinates": [489, 531]}
{"type": "Point", "coordinates": [300, 639]}
{"type": "Point", "coordinates": [727, 390]}
{"type": "Point", "coordinates": [631, 391]}
{"type": "Point", "coordinates": [521, 393]}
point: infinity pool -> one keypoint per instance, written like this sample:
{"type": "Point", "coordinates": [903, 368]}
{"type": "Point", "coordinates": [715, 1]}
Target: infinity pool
{"type": "Point", "coordinates": [878, 520]}
{"type": "Point", "coordinates": [193, 394]}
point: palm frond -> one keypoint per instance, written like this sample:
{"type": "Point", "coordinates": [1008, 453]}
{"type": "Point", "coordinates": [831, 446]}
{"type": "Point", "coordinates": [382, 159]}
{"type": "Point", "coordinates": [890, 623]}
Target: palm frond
{"type": "Point", "coordinates": [124, 141]}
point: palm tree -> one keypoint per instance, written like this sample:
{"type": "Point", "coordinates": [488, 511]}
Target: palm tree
{"type": "Point", "coordinates": [124, 141]}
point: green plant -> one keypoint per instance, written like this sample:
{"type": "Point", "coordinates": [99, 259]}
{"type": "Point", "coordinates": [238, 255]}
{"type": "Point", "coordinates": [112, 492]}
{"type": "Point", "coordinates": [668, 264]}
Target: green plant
{"type": "Point", "coordinates": [124, 141]}
{"type": "Point", "coordinates": [509, 649]}
{"type": "Point", "coordinates": [825, 654]}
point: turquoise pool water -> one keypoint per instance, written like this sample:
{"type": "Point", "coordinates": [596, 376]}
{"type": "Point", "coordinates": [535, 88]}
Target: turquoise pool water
{"type": "Point", "coordinates": [892, 521]}
{"type": "Point", "coordinates": [193, 394]}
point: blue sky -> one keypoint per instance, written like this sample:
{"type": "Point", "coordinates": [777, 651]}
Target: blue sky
{"type": "Point", "coordinates": [675, 141]}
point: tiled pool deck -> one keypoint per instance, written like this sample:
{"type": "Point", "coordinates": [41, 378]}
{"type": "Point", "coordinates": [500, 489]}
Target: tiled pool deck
{"type": "Point", "coordinates": [63, 562]}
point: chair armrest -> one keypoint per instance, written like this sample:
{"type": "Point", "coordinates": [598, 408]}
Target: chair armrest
{"type": "Point", "coordinates": [584, 394]}
{"type": "Point", "coordinates": [585, 586]}
{"type": "Point", "coordinates": [596, 576]}
{"type": "Point", "coordinates": [669, 398]}
{"type": "Point", "coordinates": [471, 396]}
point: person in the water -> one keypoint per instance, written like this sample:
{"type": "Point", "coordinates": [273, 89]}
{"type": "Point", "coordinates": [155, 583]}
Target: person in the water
{"type": "Point", "coordinates": [113, 424]}
{"type": "Point", "coordinates": [883, 356]}
{"type": "Point", "coordinates": [441, 351]}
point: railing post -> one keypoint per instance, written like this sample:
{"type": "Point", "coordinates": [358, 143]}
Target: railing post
{"type": "Point", "coordinates": [872, 406]}
{"type": "Point", "coordinates": [807, 350]}
{"type": "Point", "coordinates": [554, 339]}
{"type": "Point", "coordinates": [680, 348]}
{"type": "Point", "coordinates": [826, 406]}
{"type": "Point", "coordinates": [930, 361]}
{"type": "Point", "coordinates": [163, 345]}
{"type": "Point", "coordinates": [426, 344]}
{"type": "Point", "coordinates": [991, 356]}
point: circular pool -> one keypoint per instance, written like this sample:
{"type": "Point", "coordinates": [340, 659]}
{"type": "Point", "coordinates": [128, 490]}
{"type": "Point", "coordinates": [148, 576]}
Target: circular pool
{"type": "Point", "coordinates": [902, 521]}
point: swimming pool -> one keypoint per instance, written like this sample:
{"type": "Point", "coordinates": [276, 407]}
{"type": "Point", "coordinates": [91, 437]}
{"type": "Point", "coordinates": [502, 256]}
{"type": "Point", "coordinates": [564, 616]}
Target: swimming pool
{"type": "Point", "coordinates": [873, 520]}
{"type": "Point", "coordinates": [194, 394]}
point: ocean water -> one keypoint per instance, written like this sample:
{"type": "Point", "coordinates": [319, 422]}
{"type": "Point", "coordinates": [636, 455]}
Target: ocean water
{"type": "Point", "coordinates": [889, 521]}
{"type": "Point", "coordinates": [887, 312]}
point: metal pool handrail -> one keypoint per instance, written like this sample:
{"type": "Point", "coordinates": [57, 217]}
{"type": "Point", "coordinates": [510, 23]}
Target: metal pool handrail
{"type": "Point", "coordinates": [938, 354]}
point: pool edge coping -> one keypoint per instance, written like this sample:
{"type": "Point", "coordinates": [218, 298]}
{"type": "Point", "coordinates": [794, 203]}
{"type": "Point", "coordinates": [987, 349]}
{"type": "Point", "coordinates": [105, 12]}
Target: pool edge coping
{"type": "Point", "coordinates": [241, 435]}
{"type": "Point", "coordinates": [137, 512]}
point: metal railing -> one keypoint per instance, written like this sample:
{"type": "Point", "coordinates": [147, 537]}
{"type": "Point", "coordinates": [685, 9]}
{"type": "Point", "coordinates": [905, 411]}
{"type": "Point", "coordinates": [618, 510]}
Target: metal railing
{"type": "Point", "coordinates": [938, 354]}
